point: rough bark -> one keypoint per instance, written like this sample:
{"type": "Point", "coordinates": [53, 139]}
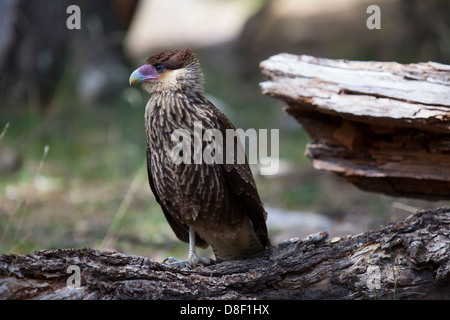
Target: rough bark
{"type": "Point", "coordinates": [384, 126]}
{"type": "Point", "coordinates": [412, 259]}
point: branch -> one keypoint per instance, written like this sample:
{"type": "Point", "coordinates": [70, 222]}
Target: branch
{"type": "Point", "coordinates": [409, 259]}
{"type": "Point", "coordinates": [384, 126]}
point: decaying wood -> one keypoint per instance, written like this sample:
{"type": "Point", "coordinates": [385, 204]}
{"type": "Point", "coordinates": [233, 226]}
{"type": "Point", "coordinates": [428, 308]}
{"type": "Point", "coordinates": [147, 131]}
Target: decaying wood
{"type": "Point", "coordinates": [384, 126]}
{"type": "Point", "coordinates": [408, 259]}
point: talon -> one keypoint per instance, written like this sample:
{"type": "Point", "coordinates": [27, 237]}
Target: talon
{"type": "Point", "coordinates": [171, 261]}
{"type": "Point", "coordinates": [193, 259]}
{"type": "Point", "coordinates": [191, 262]}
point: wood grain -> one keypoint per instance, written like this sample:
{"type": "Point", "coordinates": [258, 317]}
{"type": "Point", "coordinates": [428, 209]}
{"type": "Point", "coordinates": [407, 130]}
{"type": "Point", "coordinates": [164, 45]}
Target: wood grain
{"type": "Point", "coordinates": [383, 126]}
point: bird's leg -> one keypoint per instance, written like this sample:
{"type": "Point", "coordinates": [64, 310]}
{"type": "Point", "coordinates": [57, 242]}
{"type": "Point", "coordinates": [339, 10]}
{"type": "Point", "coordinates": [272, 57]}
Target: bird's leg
{"type": "Point", "coordinates": [193, 259]}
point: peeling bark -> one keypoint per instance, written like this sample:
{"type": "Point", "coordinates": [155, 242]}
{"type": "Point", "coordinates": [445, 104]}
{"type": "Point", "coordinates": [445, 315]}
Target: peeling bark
{"type": "Point", "coordinates": [383, 126]}
{"type": "Point", "coordinates": [404, 260]}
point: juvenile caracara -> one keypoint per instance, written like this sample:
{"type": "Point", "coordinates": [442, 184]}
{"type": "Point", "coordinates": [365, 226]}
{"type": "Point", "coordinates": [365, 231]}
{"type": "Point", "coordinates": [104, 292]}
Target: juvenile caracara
{"type": "Point", "coordinates": [214, 204]}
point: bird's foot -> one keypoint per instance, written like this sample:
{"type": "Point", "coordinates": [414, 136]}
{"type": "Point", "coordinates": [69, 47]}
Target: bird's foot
{"type": "Point", "coordinates": [191, 262]}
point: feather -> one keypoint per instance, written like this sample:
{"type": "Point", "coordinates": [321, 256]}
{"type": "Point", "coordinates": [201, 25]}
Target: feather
{"type": "Point", "coordinates": [219, 201]}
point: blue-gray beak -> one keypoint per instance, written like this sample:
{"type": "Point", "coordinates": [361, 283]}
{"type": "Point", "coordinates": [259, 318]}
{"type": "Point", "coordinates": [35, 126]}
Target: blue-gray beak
{"type": "Point", "coordinates": [144, 73]}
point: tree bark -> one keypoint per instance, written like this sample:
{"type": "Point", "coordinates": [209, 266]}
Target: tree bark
{"type": "Point", "coordinates": [383, 126]}
{"type": "Point", "coordinates": [404, 260]}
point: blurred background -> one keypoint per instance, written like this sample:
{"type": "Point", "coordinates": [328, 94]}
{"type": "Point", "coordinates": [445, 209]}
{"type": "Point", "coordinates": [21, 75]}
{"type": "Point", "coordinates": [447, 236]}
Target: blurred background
{"type": "Point", "coordinates": [72, 140]}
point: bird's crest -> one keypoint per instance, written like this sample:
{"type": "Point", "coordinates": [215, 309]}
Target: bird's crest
{"type": "Point", "coordinates": [172, 59]}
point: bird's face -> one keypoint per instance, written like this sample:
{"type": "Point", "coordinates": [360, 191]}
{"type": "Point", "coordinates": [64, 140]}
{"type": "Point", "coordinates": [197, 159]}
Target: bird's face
{"type": "Point", "coordinates": [169, 70]}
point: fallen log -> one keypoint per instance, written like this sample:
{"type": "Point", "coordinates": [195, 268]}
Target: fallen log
{"type": "Point", "coordinates": [383, 126]}
{"type": "Point", "coordinates": [404, 260]}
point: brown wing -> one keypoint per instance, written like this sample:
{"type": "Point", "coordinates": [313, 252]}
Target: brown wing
{"type": "Point", "coordinates": [239, 179]}
{"type": "Point", "coordinates": [180, 230]}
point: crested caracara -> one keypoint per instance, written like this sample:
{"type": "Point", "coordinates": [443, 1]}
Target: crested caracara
{"type": "Point", "coordinates": [214, 204]}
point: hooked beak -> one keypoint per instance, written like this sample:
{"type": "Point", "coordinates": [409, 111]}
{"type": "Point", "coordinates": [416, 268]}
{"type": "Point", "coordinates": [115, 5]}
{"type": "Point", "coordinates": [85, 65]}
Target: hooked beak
{"type": "Point", "coordinates": [136, 77]}
{"type": "Point", "coordinates": [143, 73]}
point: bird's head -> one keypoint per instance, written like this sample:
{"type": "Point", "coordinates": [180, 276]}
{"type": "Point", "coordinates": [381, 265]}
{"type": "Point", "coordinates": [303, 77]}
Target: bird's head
{"type": "Point", "coordinates": [170, 70]}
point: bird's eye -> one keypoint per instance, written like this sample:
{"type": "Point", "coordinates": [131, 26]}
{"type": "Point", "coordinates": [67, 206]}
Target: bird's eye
{"type": "Point", "coordinates": [159, 68]}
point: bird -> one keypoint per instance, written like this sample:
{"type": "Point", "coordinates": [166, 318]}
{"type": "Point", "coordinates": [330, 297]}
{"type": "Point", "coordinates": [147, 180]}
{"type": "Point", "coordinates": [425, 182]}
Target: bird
{"type": "Point", "coordinates": [206, 204]}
